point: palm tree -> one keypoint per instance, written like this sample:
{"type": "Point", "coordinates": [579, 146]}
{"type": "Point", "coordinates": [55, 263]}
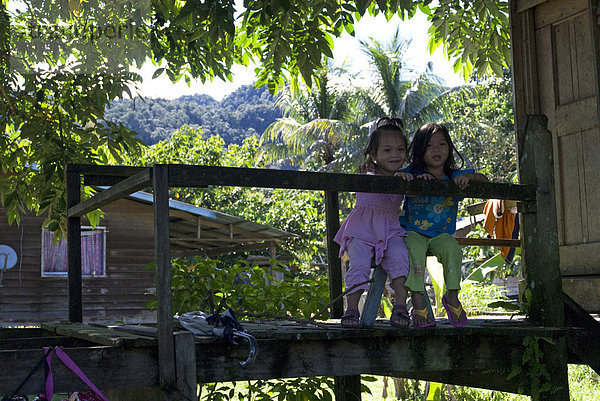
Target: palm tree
{"type": "Point", "coordinates": [317, 123]}
{"type": "Point", "coordinates": [325, 127]}
{"type": "Point", "coordinates": [397, 89]}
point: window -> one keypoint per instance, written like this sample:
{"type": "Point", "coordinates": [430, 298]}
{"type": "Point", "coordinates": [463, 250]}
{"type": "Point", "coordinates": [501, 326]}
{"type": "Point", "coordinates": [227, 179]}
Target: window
{"type": "Point", "coordinates": [93, 253]}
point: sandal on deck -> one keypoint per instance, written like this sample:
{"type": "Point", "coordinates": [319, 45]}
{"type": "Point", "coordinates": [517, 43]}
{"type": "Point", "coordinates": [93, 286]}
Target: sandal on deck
{"type": "Point", "coordinates": [456, 316]}
{"type": "Point", "coordinates": [350, 318]}
{"type": "Point", "coordinates": [399, 317]}
{"type": "Point", "coordinates": [423, 313]}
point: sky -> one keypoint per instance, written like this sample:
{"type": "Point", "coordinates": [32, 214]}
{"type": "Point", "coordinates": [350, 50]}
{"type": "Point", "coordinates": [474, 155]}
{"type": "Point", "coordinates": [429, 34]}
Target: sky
{"type": "Point", "coordinates": [346, 51]}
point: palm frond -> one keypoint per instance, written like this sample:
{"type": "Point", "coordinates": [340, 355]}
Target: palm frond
{"type": "Point", "coordinates": [428, 105]}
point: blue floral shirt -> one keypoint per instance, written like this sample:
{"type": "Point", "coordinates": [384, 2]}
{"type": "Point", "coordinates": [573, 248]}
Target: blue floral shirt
{"type": "Point", "coordinates": [431, 215]}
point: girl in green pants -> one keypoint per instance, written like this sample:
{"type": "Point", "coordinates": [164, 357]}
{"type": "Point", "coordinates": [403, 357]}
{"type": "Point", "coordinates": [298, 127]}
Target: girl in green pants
{"type": "Point", "coordinates": [431, 221]}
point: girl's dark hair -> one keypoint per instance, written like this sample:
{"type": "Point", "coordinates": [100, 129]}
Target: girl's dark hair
{"type": "Point", "coordinates": [418, 146]}
{"type": "Point", "coordinates": [381, 125]}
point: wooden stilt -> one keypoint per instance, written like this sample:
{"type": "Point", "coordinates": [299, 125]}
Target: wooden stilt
{"type": "Point", "coordinates": [185, 348]}
{"type": "Point", "coordinates": [346, 387]}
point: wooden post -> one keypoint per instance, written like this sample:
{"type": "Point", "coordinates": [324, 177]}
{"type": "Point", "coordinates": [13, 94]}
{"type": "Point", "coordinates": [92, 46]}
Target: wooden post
{"type": "Point", "coordinates": [185, 346]}
{"type": "Point", "coordinates": [73, 197]}
{"type": "Point", "coordinates": [334, 264]}
{"type": "Point", "coordinates": [540, 246]}
{"type": "Point", "coordinates": [346, 388]}
{"type": "Point", "coordinates": [166, 344]}
{"type": "Point", "coordinates": [373, 299]}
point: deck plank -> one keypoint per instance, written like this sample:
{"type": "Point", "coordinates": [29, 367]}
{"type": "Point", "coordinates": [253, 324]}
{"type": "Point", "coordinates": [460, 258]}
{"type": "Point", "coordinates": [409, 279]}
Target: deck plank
{"type": "Point", "coordinates": [99, 335]}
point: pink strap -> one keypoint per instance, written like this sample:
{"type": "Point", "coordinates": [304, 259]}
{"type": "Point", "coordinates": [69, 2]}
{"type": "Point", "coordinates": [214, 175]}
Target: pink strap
{"type": "Point", "coordinates": [49, 378]}
{"type": "Point", "coordinates": [71, 365]}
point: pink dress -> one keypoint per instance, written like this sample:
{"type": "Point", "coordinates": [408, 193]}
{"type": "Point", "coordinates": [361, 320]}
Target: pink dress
{"type": "Point", "coordinates": [374, 220]}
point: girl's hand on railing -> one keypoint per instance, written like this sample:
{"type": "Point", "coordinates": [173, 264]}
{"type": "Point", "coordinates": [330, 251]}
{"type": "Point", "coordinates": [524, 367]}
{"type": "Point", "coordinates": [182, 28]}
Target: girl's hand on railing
{"type": "Point", "coordinates": [404, 176]}
{"type": "Point", "coordinates": [367, 168]}
{"type": "Point", "coordinates": [463, 180]}
{"type": "Point", "coordinates": [427, 176]}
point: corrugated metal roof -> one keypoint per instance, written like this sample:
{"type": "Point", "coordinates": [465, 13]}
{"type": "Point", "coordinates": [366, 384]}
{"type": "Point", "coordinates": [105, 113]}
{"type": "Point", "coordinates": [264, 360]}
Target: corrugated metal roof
{"type": "Point", "coordinates": [198, 231]}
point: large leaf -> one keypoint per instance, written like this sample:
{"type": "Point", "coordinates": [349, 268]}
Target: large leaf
{"type": "Point", "coordinates": [479, 274]}
{"type": "Point", "coordinates": [435, 391]}
{"type": "Point", "coordinates": [436, 272]}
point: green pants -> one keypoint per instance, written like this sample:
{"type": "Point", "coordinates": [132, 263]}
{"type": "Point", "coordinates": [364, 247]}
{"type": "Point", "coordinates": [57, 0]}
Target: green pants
{"type": "Point", "coordinates": [447, 251]}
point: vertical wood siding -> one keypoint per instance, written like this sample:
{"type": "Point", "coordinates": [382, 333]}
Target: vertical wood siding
{"type": "Point", "coordinates": [567, 52]}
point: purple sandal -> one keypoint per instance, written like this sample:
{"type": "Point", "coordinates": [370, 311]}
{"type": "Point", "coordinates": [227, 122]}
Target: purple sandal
{"type": "Point", "coordinates": [455, 315]}
{"type": "Point", "coordinates": [350, 319]}
{"type": "Point", "coordinates": [399, 317]}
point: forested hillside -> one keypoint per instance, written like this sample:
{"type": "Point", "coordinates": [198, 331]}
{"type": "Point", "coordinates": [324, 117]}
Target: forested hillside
{"type": "Point", "coordinates": [245, 112]}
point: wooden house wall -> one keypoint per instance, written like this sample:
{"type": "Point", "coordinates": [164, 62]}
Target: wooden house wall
{"type": "Point", "coordinates": [26, 297]}
{"type": "Point", "coordinates": [555, 70]}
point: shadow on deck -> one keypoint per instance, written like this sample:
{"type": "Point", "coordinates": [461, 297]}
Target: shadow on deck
{"type": "Point", "coordinates": [481, 354]}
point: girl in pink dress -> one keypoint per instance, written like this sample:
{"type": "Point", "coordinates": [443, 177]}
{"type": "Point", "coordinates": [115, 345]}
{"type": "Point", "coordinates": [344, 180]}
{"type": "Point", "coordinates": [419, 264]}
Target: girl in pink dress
{"type": "Point", "coordinates": [372, 229]}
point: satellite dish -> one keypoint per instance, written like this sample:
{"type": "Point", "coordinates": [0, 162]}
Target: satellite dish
{"type": "Point", "coordinates": [8, 257]}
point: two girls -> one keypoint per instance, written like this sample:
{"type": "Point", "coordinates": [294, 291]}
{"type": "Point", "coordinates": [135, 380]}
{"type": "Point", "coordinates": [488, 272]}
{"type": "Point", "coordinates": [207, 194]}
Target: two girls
{"type": "Point", "coordinates": [429, 221]}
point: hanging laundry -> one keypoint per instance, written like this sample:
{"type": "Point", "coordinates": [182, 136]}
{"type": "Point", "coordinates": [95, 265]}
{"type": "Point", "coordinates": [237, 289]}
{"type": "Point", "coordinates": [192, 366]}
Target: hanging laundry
{"type": "Point", "coordinates": [499, 221]}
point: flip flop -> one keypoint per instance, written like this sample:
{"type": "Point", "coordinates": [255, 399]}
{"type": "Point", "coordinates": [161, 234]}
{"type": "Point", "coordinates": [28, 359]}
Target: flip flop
{"type": "Point", "coordinates": [454, 313]}
{"type": "Point", "coordinates": [399, 317]}
{"type": "Point", "coordinates": [423, 313]}
{"type": "Point", "coordinates": [350, 319]}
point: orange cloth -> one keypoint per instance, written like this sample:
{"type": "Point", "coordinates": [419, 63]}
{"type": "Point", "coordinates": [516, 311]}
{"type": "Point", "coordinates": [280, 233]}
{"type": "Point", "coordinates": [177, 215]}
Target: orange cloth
{"type": "Point", "coordinates": [500, 221]}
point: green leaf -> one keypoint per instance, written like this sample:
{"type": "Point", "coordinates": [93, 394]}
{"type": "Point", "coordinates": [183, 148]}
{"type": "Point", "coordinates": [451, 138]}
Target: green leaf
{"type": "Point", "coordinates": [505, 305]}
{"type": "Point", "coordinates": [53, 226]}
{"type": "Point", "coordinates": [361, 6]}
{"type": "Point", "coordinates": [158, 72]}
{"type": "Point", "coordinates": [436, 272]}
{"type": "Point", "coordinates": [479, 274]}
{"type": "Point", "coordinates": [349, 28]}
{"type": "Point", "coordinates": [185, 12]}
{"type": "Point", "coordinates": [435, 391]}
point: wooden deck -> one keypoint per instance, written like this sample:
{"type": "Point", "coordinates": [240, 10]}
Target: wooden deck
{"type": "Point", "coordinates": [120, 357]}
